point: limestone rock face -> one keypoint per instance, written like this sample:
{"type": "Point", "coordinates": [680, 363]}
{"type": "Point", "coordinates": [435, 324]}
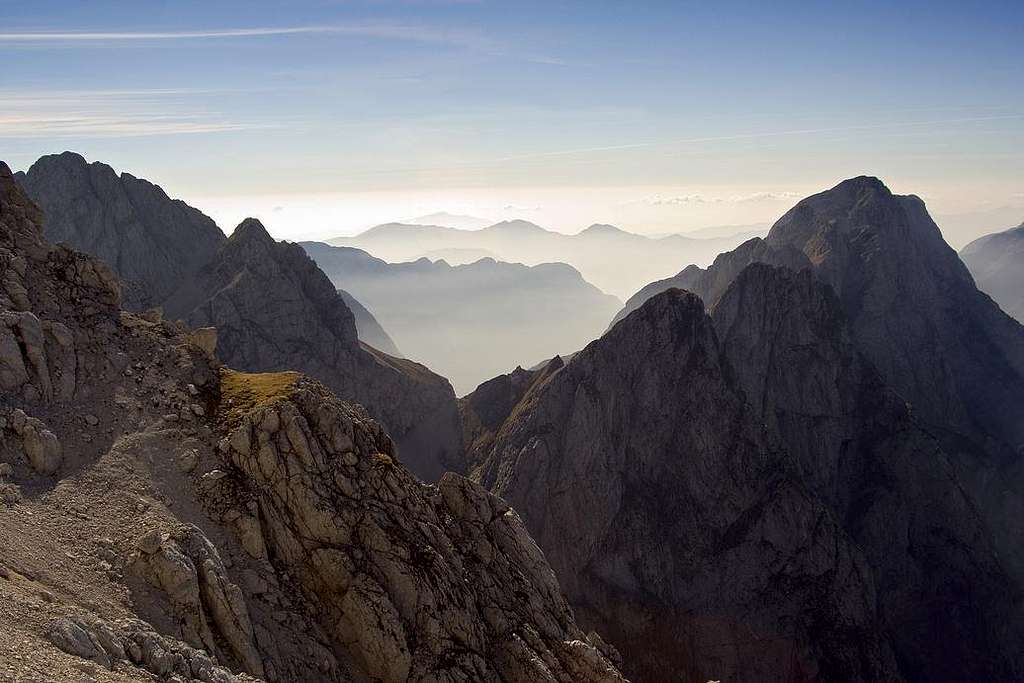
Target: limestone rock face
{"type": "Point", "coordinates": [133, 641]}
{"type": "Point", "coordinates": [671, 519]}
{"type": "Point", "coordinates": [188, 569]}
{"type": "Point", "coordinates": [217, 526]}
{"type": "Point", "coordinates": [152, 242]}
{"type": "Point", "coordinates": [913, 308]}
{"type": "Point", "coordinates": [997, 263]}
{"type": "Point", "coordinates": [852, 440]}
{"type": "Point", "coordinates": [275, 310]}
{"type": "Point", "coordinates": [743, 497]}
{"type": "Point", "coordinates": [416, 582]}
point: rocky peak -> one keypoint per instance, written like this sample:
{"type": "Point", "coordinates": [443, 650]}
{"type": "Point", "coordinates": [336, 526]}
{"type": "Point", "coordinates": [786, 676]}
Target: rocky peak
{"type": "Point", "coordinates": [251, 230]}
{"type": "Point", "coordinates": [275, 310]}
{"type": "Point", "coordinates": [231, 527]}
{"type": "Point", "coordinates": [854, 443]}
{"type": "Point", "coordinates": [655, 492]}
{"type": "Point", "coordinates": [913, 307]}
{"type": "Point", "coordinates": [153, 243]}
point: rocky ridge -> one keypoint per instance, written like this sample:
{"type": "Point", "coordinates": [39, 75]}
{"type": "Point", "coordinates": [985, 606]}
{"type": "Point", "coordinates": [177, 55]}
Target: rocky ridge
{"type": "Point", "coordinates": [154, 243]}
{"type": "Point", "coordinates": [205, 524]}
{"type": "Point", "coordinates": [274, 309]}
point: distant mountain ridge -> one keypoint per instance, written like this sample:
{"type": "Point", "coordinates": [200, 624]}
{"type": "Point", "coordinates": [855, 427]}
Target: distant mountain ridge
{"type": "Point", "coordinates": [616, 261]}
{"type": "Point", "coordinates": [997, 263]}
{"type": "Point", "coordinates": [450, 220]}
{"type": "Point", "coordinates": [467, 321]}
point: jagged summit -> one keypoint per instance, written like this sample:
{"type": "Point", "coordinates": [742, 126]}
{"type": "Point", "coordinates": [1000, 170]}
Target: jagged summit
{"type": "Point", "coordinates": [154, 243]}
{"type": "Point", "coordinates": [251, 229]}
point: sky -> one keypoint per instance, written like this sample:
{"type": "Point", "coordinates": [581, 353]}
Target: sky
{"type": "Point", "coordinates": [323, 118]}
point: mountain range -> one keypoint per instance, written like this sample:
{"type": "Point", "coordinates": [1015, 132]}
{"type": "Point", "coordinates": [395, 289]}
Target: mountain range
{"type": "Point", "coordinates": [804, 461]}
{"type": "Point", "coordinates": [997, 263]}
{"type": "Point", "coordinates": [814, 482]}
{"type": "Point", "coordinates": [615, 261]}
{"type": "Point", "coordinates": [468, 321]}
{"type": "Point", "coordinates": [273, 308]}
{"type": "Point", "coordinates": [165, 517]}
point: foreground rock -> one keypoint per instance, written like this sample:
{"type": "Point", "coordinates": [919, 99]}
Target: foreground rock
{"type": "Point", "coordinates": [218, 526]}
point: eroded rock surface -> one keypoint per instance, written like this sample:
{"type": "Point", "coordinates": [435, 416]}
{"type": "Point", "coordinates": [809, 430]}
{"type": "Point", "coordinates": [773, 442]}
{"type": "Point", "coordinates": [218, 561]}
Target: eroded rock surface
{"type": "Point", "coordinates": [275, 310]}
{"type": "Point", "coordinates": [204, 524]}
{"type": "Point", "coordinates": [744, 498]}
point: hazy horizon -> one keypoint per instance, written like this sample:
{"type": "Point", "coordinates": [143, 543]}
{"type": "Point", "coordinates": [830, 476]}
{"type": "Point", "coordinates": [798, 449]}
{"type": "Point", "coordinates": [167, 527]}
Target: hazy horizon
{"type": "Point", "coordinates": [668, 119]}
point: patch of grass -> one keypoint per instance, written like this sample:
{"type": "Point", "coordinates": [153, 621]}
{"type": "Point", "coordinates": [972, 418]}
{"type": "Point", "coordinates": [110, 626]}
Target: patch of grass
{"type": "Point", "coordinates": [384, 460]}
{"type": "Point", "coordinates": [243, 392]}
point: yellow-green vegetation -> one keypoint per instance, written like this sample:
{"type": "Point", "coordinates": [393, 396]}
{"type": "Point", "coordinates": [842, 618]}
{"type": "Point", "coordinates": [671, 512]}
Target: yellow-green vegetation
{"type": "Point", "coordinates": [384, 460]}
{"type": "Point", "coordinates": [242, 392]}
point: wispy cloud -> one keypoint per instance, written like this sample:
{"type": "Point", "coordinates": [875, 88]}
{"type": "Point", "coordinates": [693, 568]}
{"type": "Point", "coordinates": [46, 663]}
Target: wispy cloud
{"type": "Point", "coordinates": [454, 37]}
{"type": "Point", "coordinates": [109, 113]}
{"type": "Point", "coordinates": [405, 32]}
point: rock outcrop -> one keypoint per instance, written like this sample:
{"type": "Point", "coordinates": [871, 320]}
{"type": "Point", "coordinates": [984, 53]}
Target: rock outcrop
{"type": "Point", "coordinates": [153, 243]}
{"type": "Point", "coordinates": [275, 310]}
{"type": "Point", "coordinates": [221, 526]}
{"type": "Point", "coordinates": [271, 307]}
{"type": "Point", "coordinates": [744, 498]}
{"type": "Point", "coordinates": [997, 263]}
{"type": "Point", "coordinates": [912, 306]}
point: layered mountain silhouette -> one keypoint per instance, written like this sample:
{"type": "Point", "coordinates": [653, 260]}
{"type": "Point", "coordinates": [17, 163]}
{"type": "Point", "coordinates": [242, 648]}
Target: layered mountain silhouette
{"type": "Point", "coordinates": [467, 321]}
{"type": "Point", "coordinates": [367, 327]}
{"type": "Point", "coordinates": [997, 263]}
{"type": "Point", "coordinates": [751, 495]}
{"type": "Point", "coordinates": [273, 308]}
{"type": "Point", "coordinates": [616, 261]}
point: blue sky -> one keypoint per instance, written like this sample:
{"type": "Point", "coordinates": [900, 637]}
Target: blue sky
{"type": "Point", "coordinates": [322, 117]}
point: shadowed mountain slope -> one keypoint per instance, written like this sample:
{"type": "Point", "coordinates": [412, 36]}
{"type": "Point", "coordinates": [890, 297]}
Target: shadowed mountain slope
{"type": "Point", "coordinates": [743, 498]}
{"type": "Point", "coordinates": [154, 243]}
{"type": "Point", "coordinates": [997, 263]}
